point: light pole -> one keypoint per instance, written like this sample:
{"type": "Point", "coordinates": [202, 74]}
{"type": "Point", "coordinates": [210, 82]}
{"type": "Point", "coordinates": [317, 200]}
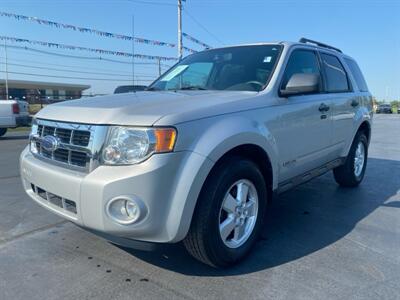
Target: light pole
{"type": "Point", "coordinates": [5, 49]}
{"type": "Point", "coordinates": [133, 49]}
{"type": "Point", "coordinates": [180, 47]}
{"type": "Point", "coordinates": [159, 67]}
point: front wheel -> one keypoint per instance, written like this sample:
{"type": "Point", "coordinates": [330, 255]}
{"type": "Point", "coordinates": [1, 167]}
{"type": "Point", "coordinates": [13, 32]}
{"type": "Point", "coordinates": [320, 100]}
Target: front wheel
{"type": "Point", "coordinates": [229, 213]}
{"type": "Point", "coordinates": [352, 172]}
{"type": "Point", "coordinates": [3, 131]}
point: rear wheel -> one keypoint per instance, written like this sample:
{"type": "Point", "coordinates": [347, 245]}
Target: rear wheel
{"type": "Point", "coordinates": [3, 131]}
{"type": "Point", "coordinates": [352, 172]}
{"type": "Point", "coordinates": [229, 214]}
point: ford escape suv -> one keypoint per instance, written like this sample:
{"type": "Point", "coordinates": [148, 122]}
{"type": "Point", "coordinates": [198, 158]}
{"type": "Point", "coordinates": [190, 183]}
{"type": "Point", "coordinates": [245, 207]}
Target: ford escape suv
{"type": "Point", "coordinates": [200, 154]}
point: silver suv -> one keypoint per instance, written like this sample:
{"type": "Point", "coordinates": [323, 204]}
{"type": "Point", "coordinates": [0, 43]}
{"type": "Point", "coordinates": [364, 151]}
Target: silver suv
{"type": "Point", "coordinates": [199, 155]}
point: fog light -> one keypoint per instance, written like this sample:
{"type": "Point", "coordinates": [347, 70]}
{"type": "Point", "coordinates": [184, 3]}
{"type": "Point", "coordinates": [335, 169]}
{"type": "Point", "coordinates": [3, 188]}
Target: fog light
{"type": "Point", "coordinates": [123, 210]}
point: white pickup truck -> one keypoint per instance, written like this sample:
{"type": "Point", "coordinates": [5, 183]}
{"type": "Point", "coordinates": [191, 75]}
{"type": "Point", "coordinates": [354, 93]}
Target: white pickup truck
{"type": "Point", "coordinates": [13, 113]}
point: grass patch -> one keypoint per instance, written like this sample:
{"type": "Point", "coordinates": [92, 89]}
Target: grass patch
{"type": "Point", "coordinates": [19, 129]}
{"type": "Point", "coordinates": [34, 108]}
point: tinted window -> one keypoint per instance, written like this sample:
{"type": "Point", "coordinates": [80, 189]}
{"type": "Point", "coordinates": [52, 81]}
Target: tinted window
{"type": "Point", "coordinates": [358, 76]}
{"type": "Point", "coordinates": [300, 61]}
{"type": "Point", "coordinates": [335, 74]}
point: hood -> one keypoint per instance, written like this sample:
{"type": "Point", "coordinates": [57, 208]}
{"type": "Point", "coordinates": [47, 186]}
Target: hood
{"type": "Point", "coordinates": [146, 108]}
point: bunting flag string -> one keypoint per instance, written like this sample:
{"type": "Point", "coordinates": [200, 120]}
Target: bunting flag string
{"type": "Point", "coordinates": [189, 50]}
{"type": "Point", "coordinates": [99, 51]}
{"type": "Point", "coordinates": [194, 40]}
{"type": "Point", "coordinates": [92, 31]}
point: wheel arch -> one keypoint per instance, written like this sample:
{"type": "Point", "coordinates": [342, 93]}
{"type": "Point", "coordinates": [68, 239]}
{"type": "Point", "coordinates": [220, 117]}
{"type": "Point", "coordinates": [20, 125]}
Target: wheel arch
{"type": "Point", "coordinates": [365, 127]}
{"type": "Point", "coordinates": [363, 123]}
{"type": "Point", "coordinates": [257, 155]}
{"type": "Point", "coordinates": [253, 152]}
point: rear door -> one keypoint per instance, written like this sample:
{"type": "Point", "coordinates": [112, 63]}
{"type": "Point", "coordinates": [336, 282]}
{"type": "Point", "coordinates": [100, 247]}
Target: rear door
{"type": "Point", "coordinates": [342, 98]}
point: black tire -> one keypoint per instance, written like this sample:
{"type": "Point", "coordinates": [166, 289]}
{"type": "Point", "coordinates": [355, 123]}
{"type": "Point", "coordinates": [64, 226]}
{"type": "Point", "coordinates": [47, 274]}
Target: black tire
{"type": "Point", "coordinates": [345, 175]}
{"type": "Point", "coordinates": [3, 131]}
{"type": "Point", "coordinates": [204, 241]}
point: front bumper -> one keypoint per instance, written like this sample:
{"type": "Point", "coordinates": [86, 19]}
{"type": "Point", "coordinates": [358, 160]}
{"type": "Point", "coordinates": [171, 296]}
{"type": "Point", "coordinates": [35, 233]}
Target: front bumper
{"type": "Point", "coordinates": [167, 184]}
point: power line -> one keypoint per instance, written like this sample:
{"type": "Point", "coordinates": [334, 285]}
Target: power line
{"type": "Point", "coordinates": [152, 2]}
{"type": "Point", "coordinates": [61, 65]}
{"type": "Point", "coordinates": [68, 77]}
{"type": "Point", "coordinates": [73, 71]}
{"type": "Point", "coordinates": [202, 26]}
{"type": "Point", "coordinates": [78, 57]}
{"type": "Point", "coordinates": [81, 48]}
{"type": "Point", "coordinates": [148, 65]}
{"type": "Point", "coordinates": [67, 55]}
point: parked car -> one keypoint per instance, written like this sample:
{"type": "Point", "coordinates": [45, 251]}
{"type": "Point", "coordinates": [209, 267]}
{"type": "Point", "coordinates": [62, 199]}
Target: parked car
{"type": "Point", "coordinates": [199, 156]}
{"type": "Point", "coordinates": [384, 109]}
{"type": "Point", "coordinates": [129, 89]}
{"type": "Point", "coordinates": [13, 113]}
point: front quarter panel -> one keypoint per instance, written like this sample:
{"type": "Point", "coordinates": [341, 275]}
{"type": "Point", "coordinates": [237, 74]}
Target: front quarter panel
{"type": "Point", "coordinates": [213, 137]}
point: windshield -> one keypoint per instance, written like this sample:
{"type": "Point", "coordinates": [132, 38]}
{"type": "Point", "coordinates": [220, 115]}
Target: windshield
{"type": "Point", "coordinates": [243, 68]}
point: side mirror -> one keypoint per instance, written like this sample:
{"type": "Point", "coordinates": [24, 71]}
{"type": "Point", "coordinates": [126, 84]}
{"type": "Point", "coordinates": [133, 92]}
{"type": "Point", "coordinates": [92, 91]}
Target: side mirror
{"type": "Point", "coordinates": [301, 83]}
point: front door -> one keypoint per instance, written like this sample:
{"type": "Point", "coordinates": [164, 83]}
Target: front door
{"type": "Point", "coordinates": [304, 138]}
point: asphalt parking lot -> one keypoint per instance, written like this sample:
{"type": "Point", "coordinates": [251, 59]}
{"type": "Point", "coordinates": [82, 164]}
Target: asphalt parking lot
{"type": "Point", "coordinates": [321, 242]}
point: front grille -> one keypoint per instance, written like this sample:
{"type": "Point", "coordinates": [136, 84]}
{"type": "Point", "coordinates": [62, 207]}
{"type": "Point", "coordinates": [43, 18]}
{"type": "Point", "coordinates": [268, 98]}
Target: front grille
{"type": "Point", "coordinates": [64, 135]}
{"type": "Point", "coordinates": [78, 158]}
{"type": "Point", "coordinates": [81, 138]}
{"type": "Point", "coordinates": [75, 143]}
{"type": "Point", "coordinates": [67, 136]}
{"type": "Point", "coordinates": [47, 130]}
{"type": "Point", "coordinates": [66, 204]}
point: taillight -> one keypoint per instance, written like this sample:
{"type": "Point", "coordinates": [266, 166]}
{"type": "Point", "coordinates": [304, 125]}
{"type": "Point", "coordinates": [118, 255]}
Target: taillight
{"type": "Point", "coordinates": [15, 108]}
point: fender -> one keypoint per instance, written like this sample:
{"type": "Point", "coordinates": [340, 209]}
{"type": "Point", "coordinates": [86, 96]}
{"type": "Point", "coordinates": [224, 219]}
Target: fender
{"type": "Point", "coordinates": [211, 139]}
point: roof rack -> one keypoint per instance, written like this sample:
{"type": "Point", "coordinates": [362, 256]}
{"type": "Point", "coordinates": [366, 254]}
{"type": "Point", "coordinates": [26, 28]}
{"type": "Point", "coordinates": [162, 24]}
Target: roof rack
{"type": "Point", "coordinates": [304, 40]}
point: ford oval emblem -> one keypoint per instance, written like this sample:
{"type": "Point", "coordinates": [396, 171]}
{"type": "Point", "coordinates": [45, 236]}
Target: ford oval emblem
{"type": "Point", "coordinates": [50, 143]}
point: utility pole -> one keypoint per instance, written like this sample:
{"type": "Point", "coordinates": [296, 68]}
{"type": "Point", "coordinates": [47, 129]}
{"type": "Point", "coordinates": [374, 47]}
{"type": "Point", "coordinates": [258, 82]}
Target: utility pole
{"type": "Point", "coordinates": [133, 49]}
{"type": "Point", "coordinates": [159, 67]}
{"type": "Point", "coordinates": [180, 47]}
{"type": "Point", "coordinates": [5, 49]}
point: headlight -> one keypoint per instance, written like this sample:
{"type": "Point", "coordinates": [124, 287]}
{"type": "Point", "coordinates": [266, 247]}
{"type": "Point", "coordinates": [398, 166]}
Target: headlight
{"type": "Point", "coordinates": [128, 145]}
{"type": "Point", "coordinates": [34, 131]}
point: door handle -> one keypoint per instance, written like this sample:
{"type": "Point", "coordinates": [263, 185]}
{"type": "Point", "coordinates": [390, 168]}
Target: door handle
{"type": "Point", "coordinates": [354, 103]}
{"type": "Point", "coordinates": [323, 107]}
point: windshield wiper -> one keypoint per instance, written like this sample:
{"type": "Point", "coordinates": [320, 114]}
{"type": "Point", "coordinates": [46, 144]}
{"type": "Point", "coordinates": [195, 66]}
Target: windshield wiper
{"type": "Point", "coordinates": [192, 87]}
{"type": "Point", "coordinates": [152, 89]}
